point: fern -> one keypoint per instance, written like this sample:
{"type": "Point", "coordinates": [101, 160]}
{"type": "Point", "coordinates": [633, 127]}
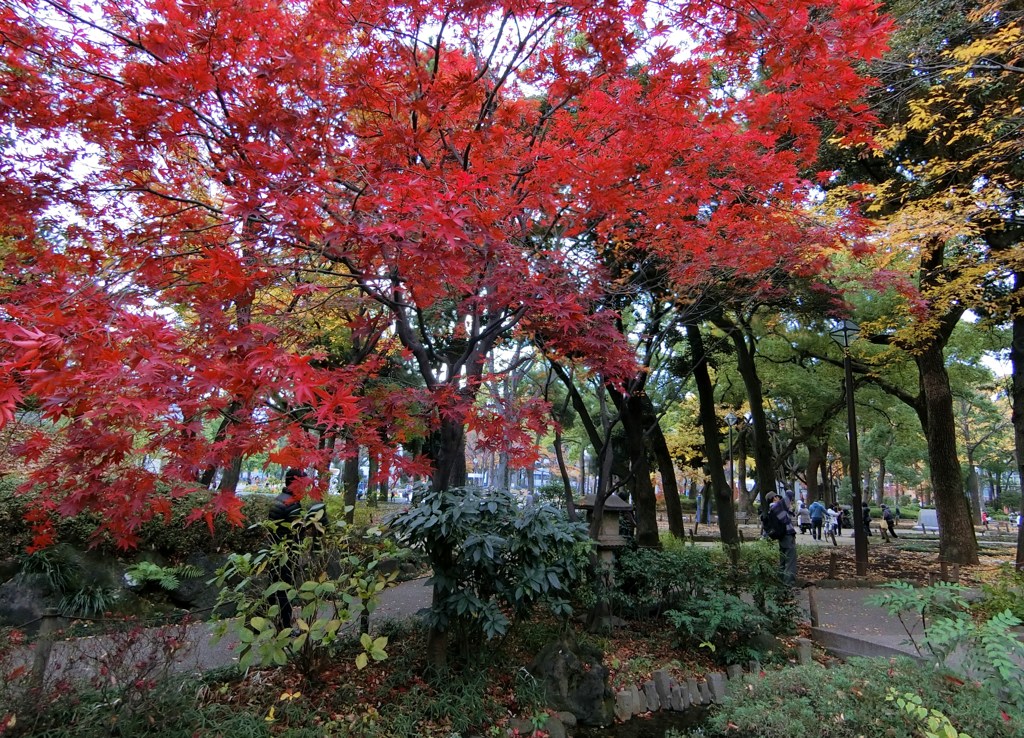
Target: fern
{"type": "Point", "coordinates": [189, 571]}
{"type": "Point", "coordinates": [167, 578]}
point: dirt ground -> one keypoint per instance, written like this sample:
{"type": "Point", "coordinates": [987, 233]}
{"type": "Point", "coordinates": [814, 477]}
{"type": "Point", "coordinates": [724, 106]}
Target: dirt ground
{"type": "Point", "coordinates": [891, 562]}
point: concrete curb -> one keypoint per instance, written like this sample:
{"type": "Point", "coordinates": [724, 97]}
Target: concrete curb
{"type": "Point", "coordinates": [845, 646]}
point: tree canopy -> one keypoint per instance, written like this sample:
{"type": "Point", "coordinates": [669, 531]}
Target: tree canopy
{"type": "Point", "coordinates": [182, 181]}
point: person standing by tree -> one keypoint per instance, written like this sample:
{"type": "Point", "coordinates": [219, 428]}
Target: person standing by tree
{"type": "Point", "coordinates": [284, 513]}
{"type": "Point", "coordinates": [865, 515]}
{"type": "Point", "coordinates": [817, 513]}
{"type": "Point", "coordinates": [780, 528]}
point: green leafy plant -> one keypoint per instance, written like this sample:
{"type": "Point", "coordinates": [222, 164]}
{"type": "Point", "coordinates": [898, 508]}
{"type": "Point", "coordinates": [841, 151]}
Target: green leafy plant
{"type": "Point", "coordinates": [166, 577]}
{"type": "Point", "coordinates": [58, 567]}
{"type": "Point", "coordinates": [325, 571]}
{"type": "Point", "coordinates": [758, 575]}
{"type": "Point", "coordinates": [988, 650]}
{"type": "Point", "coordinates": [1004, 592]}
{"type": "Point", "coordinates": [88, 599]}
{"type": "Point", "coordinates": [722, 623]}
{"type": "Point", "coordinates": [492, 559]}
{"type": "Point", "coordinates": [933, 723]}
{"type": "Point", "coordinates": [848, 700]}
{"type": "Point", "coordinates": [650, 582]}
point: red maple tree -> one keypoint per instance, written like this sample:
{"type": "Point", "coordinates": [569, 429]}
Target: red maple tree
{"type": "Point", "coordinates": [183, 183]}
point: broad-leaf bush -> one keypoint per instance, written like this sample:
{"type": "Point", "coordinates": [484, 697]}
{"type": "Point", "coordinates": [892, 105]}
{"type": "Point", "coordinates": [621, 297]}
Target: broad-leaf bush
{"type": "Point", "coordinates": [492, 560]}
{"type": "Point", "coordinates": [334, 580]}
{"type": "Point", "coordinates": [652, 581]}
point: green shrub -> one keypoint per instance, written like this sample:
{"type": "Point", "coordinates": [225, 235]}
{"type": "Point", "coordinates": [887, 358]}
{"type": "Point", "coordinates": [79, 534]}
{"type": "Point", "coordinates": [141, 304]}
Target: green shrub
{"type": "Point", "coordinates": [325, 570]}
{"type": "Point", "coordinates": [173, 538]}
{"type": "Point", "coordinates": [850, 701]}
{"type": "Point", "coordinates": [12, 518]}
{"type": "Point", "coordinates": [58, 568]}
{"type": "Point", "coordinates": [1005, 592]}
{"type": "Point", "coordinates": [987, 650]}
{"type": "Point", "coordinates": [176, 538]}
{"type": "Point", "coordinates": [722, 623]}
{"type": "Point", "coordinates": [88, 600]}
{"type": "Point", "coordinates": [650, 581]}
{"type": "Point", "coordinates": [492, 559]}
{"type": "Point", "coordinates": [758, 574]}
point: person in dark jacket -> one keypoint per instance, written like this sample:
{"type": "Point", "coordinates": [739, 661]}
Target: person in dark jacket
{"type": "Point", "coordinates": [890, 520]}
{"type": "Point", "coordinates": [780, 528]}
{"type": "Point", "coordinates": [865, 518]}
{"type": "Point", "coordinates": [284, 514]}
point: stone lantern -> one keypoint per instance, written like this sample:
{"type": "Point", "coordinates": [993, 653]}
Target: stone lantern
{"type": "Point", "coordinates": [609, 539]}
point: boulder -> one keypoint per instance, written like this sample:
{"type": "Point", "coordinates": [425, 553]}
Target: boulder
{"type": "Point", "coordinates": [575, 681]}
{"type": "Point", "coordinates": [196, 593]}
{"type": "Point", "coordinates": [24, 599]}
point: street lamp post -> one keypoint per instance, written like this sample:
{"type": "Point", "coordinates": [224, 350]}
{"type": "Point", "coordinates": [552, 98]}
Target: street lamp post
{"type": "Point", "coordinates": [844, 335]}
{"type": "Point", "coordinates": [730, 420]}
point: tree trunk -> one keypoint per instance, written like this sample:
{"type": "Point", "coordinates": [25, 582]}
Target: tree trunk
{"type": "Point", "coordinates": [371, 479]}
{"type": "Point", "coordinates": [669, 485]}
{"type": "Point", "coordinates": [227, 418]}
{"type": "Point", "coordinates": [740, 459]}
{"type": "Point", "coordinates": [229, 481]}
{"type": "Point", "coordinates": [881, 481]}
{"type": "Point", "coordinates": [815, 466]}
{"type": "Point", "coordinates": [350, 485]}
{"type": "Point", "coordinates": [384, 487]}
{"type": "Point", "coordinates": [1017, 397]}
{"type": "Point", "coordinates": [973, 487]}
{"type": "Point", "coordinates": [957, 542]}
{"type": "Point", "coordinates": [632, 414]}
{"type": "Point", "coordinates": [448, 451]}
{"type": "Point", "coordinates": [583, 469]}
{"type": "Point", "coordinates": [763, 457]}
{"type": "Point", "coordinates": [570, 506]}
{"type": "Point", "coordinates": [713, 453]}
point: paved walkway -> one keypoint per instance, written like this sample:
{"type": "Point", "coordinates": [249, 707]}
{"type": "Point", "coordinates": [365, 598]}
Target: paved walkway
{"type": "Point", "coordinates": [847, 625]}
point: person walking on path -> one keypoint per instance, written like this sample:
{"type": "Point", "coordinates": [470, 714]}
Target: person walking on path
{"type": "Point", "coordinates": [817, 513]}
{"type": "Point", "coordinates": [890, 520]}
{"type": "Point", "coordinates": [837, 511]}
{"type": "Point", "coordinates": [803, 516]}
{"type": "Point", "coordinates": [284, 514]}
{"type": "Point", "coordinates": [780, 528]}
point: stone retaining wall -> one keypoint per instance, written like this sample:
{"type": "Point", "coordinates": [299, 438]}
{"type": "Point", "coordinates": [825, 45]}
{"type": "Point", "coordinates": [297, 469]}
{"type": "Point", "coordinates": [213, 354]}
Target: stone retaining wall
{"type": "Point", "coordinates": [663, 692]}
